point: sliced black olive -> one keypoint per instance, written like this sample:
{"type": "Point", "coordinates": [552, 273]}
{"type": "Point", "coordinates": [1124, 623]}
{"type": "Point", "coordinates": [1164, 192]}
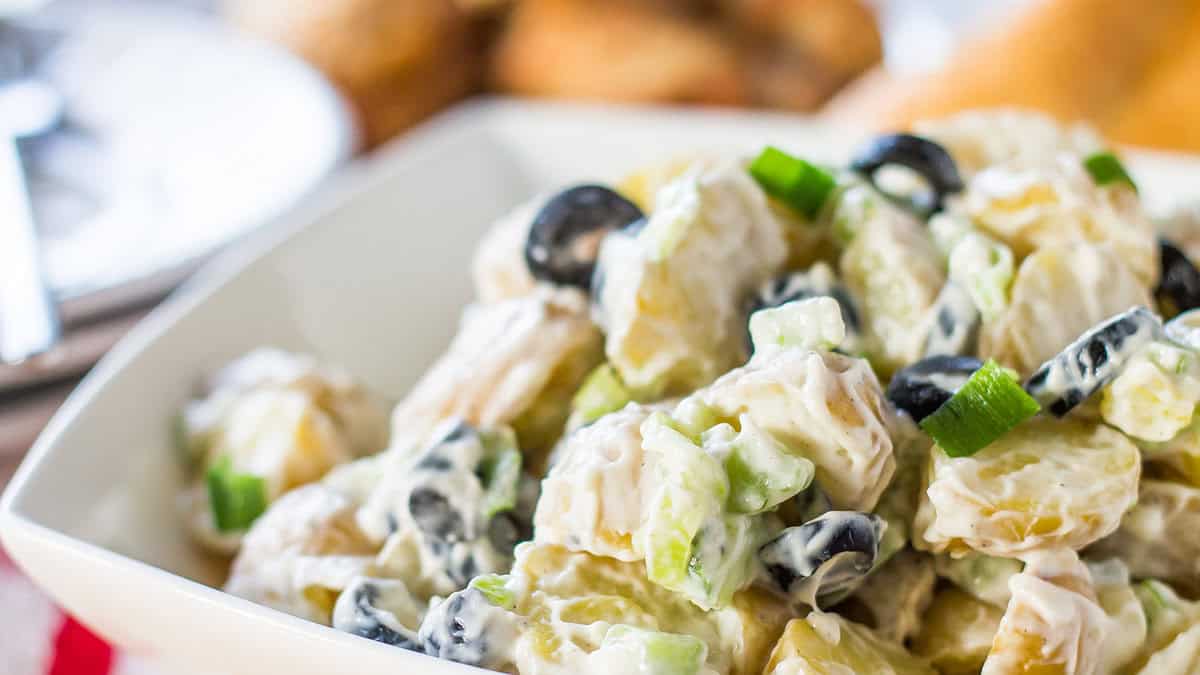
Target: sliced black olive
{"type": "Point", "coordinates": [922, 155]}
{"type": "Point", "coordinates": [466, 628]}
{"type": "Point", "coordinates": [1179, 286]}
{"type": "Point", "coordinates": [363, 609]}
{"type": "Point", "coordinates": [832, 552]}
{"type": "Point", "coordinates": [436, 516]}
{"type": "Point", "coordinates": [1092, 361]}
{"type": "Point", "coordinates": [924, 386]}
{"type": "Point", "coordinates": [956, 321]}
{"type": "Point", "coordinates": [557, 249]}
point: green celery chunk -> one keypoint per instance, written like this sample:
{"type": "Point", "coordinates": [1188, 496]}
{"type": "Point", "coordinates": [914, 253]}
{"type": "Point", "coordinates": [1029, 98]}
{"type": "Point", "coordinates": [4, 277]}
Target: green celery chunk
{"type": "Point", "coordinates": [793, 181]}
{"type": "Point", "coordinates": [812, 323]}
{"type": "Point", "coordinates": [602, 392]}
{"type": "Point", "coordinates": [694, 491]}
{"type": "Point", "coordinates": [493, 588]}
{"type": "Point", "coordinates": [660, 653]}
{"type": "Point", "coordinates": [762, 472]}
{"type": "Point", "coordinates": [1106, 168]}
{"type": "Point", "coordinates": [236, 499]}
{"type": "Point", "coordinates": [988, 406]}
{"type": "Point", "coordinates": [500, 472]}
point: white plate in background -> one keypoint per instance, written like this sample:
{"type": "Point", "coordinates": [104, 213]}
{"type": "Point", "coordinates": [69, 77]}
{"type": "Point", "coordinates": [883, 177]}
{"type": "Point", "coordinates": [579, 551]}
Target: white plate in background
{"type": "Point", "coordinates": [374, 279]}
{"type": "Point", "coordinates": [182, 136]}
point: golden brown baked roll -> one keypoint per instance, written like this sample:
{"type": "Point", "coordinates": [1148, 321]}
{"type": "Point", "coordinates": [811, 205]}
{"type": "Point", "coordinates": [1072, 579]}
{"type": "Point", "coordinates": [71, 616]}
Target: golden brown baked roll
{"type": "Point", "coordinates": [614, 50]}
{"type": "Point", "coordinates": [1075, 59]}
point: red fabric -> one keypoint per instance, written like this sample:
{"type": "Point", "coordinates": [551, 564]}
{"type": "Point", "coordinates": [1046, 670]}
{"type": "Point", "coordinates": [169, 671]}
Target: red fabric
{"type": "Point", "coordinates": [77, 651]}
{"type": "Point", "coordinates": [74, 650]}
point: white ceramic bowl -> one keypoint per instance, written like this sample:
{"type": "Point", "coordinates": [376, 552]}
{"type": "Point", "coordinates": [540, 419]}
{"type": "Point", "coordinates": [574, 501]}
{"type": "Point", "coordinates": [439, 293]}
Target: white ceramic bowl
{"type": "Point", "coordinates": [373, 277]}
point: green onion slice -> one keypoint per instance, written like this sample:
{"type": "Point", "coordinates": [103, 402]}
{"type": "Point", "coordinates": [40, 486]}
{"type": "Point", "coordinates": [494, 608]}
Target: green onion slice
{"type": "Point", "coordinates": [988, 406]}
{"type": "Point", "coordinates": [237, 499]}
{"type": "Point", "coordinates": [793, 181]}
{"type": "Point", "coordinates": [1106, 168]}
{"type": "Point", "coordinates": [500, 472]}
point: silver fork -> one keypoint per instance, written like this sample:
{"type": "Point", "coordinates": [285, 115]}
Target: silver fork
{"type": "Point", "coordinates": [29, 322]}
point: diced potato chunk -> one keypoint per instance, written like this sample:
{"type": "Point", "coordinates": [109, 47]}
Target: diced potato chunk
{"type": "Point", "coordinates": [827, 644]}
{"type": "Point", "coordinates": [957, 632]}
{"type": "Point", "coordinates": [1047, 484]}
{"type": "Point", "coordinates": [1060, 291]}
{"type": "Point", "coordinates": [1053, 624]}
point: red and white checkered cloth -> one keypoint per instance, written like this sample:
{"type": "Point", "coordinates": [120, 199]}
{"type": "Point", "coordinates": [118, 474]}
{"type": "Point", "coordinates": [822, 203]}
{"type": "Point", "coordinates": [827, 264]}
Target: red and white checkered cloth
{"type": "Point", "coordinates": [37, 638]}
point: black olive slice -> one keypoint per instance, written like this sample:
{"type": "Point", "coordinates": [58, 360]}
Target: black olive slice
{"type": "Point", "coordinates": [930, 160]}
{"type": "Point", "coordinates": [558, 249]}
{"type": "Point", "coordinates": [835, 551]}
{"type": "Point", "coordinates": [1089, 363]}
{"type": "Point", "coordinates": [924, 386]}
{"type": "Point", "coordinates": [460, 629]}
{"type": "Point", "coordinates": [955, 328]}
{"type": "Point", "coordinates": [362, 609]}
{"type": "Point", "coordinates": [1179, 285]}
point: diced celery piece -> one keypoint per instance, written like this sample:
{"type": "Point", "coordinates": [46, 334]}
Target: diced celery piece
{"type": "Point", "coordinates": [493, 587]}
{"type": "Point", "coordinates": [658, 653]}
{"type": "Point", "coordinates": [694, 489]}
{"type": "Point", "coordinates": [812, 323]}
{"type": "Point", "coordinates": [722, 559]}
{"type": "Point", "coordinates": [984, 267]}
{"type": "Point", "coordinates": [763, 473]}
{"type": "Point", "coordinates": [500, 471]}
{"type": "Point", "coordinates": [602, 392]}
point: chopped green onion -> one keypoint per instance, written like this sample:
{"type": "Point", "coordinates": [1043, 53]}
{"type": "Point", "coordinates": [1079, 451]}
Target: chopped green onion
{"type": "Point", "coordinates": [988, 406]}
{"type": "Point", "coordinates": [494, 589]}
{"type": "Point", "coordinates": [500, 472]}
{"type": "Point", "coordinates": [602, 392]}
{"type": "Point", "coordinates": [1106, 168]}
{"type": "Point", "coordinates": [237, 499]}
{"type": "Point", "coordinates": [797, 183]}
{"type": "Point", "coordinates": [657, 653]}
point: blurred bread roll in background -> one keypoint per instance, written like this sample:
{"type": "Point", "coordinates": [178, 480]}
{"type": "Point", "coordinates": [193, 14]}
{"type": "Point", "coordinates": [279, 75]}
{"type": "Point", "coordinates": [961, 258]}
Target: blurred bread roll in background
{"type": "Point", "coordinates": [396, 60]}
{"type": "Point", "coordinates": [1131, 68]}
{"type": "Point", "coordinates": [400, 60]}
{"type": "Point", "coordinates": [615, 50]}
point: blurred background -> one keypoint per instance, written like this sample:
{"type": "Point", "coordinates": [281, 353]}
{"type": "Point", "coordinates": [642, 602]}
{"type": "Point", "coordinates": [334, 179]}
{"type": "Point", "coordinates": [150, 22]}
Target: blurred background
{"type": "Point", "coordinates": [139, 137]}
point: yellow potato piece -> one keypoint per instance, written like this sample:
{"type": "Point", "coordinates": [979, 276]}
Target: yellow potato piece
{"type": "Point", "coordinates": [1057, 203]}
{"type": "Point", "coordinates": [957, 632]}
{"type": "Point", "coordinates": [893, 267]}
{"type": "Point", "coordinates": [827, 644]}
{"type": "Point", "coordinates": [1053, 624]}
{"type": "Point", "coordinates": [1059, 292]}
{"type": "Point", "coordinates": [1047, 484]}
{"type": "Point", "coordinates": [565, 596]}
{"type": "Point", "coordinates": [1160, 536]}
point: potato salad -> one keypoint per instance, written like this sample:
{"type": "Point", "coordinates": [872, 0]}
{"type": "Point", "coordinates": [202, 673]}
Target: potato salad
{"type": "Point", "coordinates": [932, 411]}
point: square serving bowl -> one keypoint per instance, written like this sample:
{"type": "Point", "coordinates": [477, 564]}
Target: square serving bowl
{"type": "Point", "coordinates": [372, 275]}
